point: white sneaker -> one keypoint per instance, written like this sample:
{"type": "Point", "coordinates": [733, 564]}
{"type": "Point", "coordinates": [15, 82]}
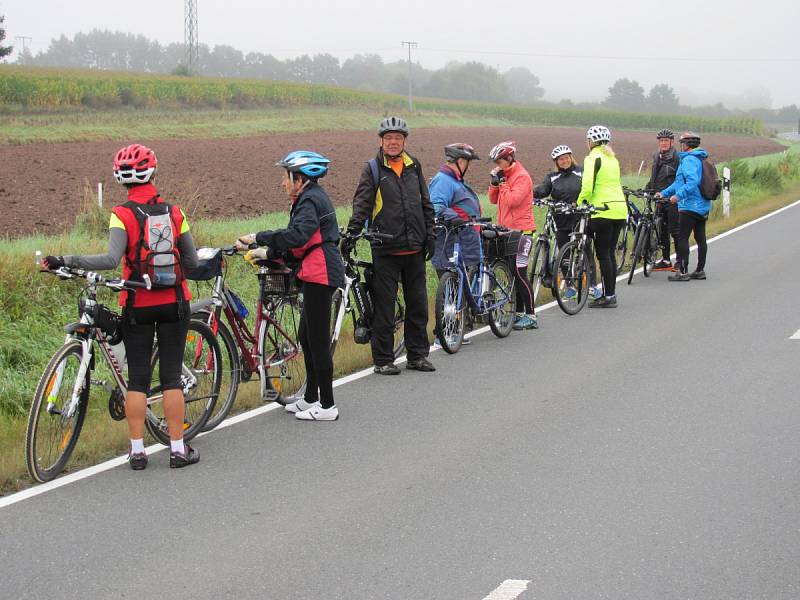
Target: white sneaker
{"type": "Point", "coordinates": [299, 406]}
{"type": "Point", "coordinates": [317, 413]}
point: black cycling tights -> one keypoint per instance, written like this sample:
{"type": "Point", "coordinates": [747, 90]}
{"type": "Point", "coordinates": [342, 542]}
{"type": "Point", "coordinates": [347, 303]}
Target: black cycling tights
{"type": "Point", "coordinates": [314, 334]}
{"type": "Point", "coordinates": [691, 223]}
{"type": "Point", "coordinates": [606, 234]}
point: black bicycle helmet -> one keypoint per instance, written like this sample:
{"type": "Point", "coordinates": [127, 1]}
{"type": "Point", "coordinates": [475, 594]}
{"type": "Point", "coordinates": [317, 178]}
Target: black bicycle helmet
{"type": "Point", "coordinates": [459, 150]}
{"type": "Point", "coordinates": [690, 138]}
{"type": "Point", "coordinates": [393, 124]}
{"type": "Point", "coordinates": [665, 133]}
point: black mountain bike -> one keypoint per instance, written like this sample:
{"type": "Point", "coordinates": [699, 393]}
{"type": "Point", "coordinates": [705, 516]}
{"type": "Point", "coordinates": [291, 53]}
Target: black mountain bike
{"type": "Point", "coordinates": [647, 243]}
{"type": "Point", "coordinates": [574, 260]}
{"type": "Point", "coordinates": [634, 214]}
{"type": "Point", "coordinates": [544, 253]}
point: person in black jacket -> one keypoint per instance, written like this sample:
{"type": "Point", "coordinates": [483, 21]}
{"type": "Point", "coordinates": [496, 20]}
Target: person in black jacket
{"type": "Point", "coordinates": [311, 238]}
{"type": "Point", "coordinates": [392, 197]}
{"type": "Point", "coordinates": [665, 166]}
{"type": "Point", "coordinates": [562, 185]}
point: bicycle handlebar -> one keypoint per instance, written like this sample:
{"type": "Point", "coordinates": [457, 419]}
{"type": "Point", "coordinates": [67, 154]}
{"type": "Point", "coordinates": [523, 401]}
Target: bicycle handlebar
{"type": "Point", "coordinates": [369, 235]}
{"type": "Point", "coordinates": [95, 278]}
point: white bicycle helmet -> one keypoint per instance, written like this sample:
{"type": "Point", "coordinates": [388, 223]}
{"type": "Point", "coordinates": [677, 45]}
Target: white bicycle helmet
{"type": "Point", "coordinates": [599, 134]}
{"type": "Point", "coordinates": [560, 151]}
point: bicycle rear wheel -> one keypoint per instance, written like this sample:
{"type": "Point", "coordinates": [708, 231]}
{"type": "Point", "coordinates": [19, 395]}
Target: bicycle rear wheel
{"type": "Point", "coordinates": [541, 254]}
{"type": "Point", "coordinates": [571, 280]}
{"type": "Point", "coordinates": [621, 249]}
{"type": "Point", "coordinates": [651, 249]}
{"type": "Point", "coordinates": [201, 378]}
{"type": "Point", "coordinates": [501, 319]}
{"type": "Point", "coordinates": [639, 241]}
{"type": "Point", "coordinates": [283, 364]}
{"type": "Point", "coordinates": [229, 382]}
{"type": "Point", "coordinates": [449, 315]}
{"type": "Point", "coordinates": [51, 434]}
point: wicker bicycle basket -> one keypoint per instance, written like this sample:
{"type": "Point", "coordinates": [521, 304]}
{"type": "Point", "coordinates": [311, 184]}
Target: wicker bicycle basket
{"type": "Point", "coordinates": [279, 282]}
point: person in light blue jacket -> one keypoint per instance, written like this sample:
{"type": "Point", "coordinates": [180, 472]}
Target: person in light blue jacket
{"type": "Point", "coordinates": [455, 203]}
{"type": "Point", "coordinates": [693, 209]}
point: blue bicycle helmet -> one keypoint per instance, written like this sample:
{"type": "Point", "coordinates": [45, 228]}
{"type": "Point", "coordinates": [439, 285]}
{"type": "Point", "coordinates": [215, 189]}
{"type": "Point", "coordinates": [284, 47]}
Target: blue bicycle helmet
{"type": "Point", "coordinates": [311, 164]}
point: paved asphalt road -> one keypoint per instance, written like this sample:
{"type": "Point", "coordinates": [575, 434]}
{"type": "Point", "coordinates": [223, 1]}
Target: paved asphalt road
{"type": "Point", "coordinates": [646, 452]}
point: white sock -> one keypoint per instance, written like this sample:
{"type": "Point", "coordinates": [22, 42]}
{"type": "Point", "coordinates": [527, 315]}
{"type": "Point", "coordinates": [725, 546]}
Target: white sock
{"type": "Point", "coordinates": [137, 446]}
{"type": "Point", "coordinates": [177, 446]}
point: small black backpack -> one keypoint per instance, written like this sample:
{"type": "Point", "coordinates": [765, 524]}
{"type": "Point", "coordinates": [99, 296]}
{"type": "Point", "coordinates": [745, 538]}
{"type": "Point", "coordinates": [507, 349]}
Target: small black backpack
{"type": "Point", "coordinates": [710, 184]}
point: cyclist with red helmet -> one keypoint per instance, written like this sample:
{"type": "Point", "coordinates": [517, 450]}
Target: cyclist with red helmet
{"type": "Point", "coordinates": [161, 312]}
{"type": "Point", "coordinates": [310, 239]}
{"type": "Point", "coordinates": [511, 189]}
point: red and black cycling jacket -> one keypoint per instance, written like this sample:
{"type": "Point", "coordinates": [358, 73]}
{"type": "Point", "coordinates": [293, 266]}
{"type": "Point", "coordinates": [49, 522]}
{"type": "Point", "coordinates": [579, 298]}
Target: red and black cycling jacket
{"type": "Point", "coordinates": [311, 237]}
{"type": "Point", "coordinates": [142, 194]}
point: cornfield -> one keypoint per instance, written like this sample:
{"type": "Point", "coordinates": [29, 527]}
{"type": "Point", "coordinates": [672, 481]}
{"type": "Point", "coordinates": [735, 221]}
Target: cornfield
{"type": "Point", "coordinates": [36, 88]}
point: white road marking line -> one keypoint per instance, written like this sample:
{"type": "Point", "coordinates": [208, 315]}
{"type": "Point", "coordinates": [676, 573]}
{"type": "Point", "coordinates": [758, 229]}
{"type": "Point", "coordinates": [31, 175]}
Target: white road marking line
{"type": "Point", "coordinates": [121, 460]}
{"type": "Point", "coordinates": [509, 589]}
{"type": "Point", "coordinates": [796, 335]}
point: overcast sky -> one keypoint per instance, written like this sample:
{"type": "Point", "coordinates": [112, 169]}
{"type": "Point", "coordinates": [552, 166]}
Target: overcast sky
{"type": "Point", "coordinates": [708, 50]}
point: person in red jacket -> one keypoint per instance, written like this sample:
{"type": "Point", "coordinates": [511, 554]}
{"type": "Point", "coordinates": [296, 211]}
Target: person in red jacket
{"type": "Point", "coordinates": [163, 313]}
{"type": "Point", "coordinates": [511, 189]}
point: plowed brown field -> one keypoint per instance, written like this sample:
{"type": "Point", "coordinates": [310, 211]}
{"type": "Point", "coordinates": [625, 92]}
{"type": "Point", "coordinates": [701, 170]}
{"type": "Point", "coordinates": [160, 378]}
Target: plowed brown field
{"type": "Point", "coordinates": [42, 185]}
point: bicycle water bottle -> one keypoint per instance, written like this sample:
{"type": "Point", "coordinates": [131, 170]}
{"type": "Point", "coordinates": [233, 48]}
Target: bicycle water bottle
{"type": "Point", "coordinates": [37, 258]}
{"type": "Point", "coordinates": [118, 350]}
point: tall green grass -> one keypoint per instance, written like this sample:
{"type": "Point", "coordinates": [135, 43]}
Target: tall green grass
{"type": "Point", "coordinates": [34, 307]}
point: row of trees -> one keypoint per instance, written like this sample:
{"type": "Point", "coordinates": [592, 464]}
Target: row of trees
{"type": "Point", "coordinates": [125, 51]}
{"type": "Point", "coordinates": [4, 50]}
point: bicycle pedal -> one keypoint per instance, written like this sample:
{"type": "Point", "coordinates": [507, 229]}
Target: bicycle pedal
{"type": "Point", "coordinates": [271, 396]}
{"type": "Point", "coordinates": [100, 383]}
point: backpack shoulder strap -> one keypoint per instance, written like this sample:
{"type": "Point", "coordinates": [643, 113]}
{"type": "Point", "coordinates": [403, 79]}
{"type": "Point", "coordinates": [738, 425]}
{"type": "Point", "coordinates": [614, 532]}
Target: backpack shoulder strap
{"type": "Point", "coordinates": [376, 176]}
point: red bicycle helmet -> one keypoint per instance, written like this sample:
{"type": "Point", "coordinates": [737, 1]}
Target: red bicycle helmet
{"type": "Point", "coordinates": [503, 150]}
{"type": "Point", "coordinates": [134, 164]}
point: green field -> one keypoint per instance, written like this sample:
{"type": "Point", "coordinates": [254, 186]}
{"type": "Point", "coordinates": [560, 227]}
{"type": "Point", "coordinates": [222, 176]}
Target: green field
{"type": "Point", "coordinates": [33, 307]}
{"type": "Point", "coordinates": [53, 105]}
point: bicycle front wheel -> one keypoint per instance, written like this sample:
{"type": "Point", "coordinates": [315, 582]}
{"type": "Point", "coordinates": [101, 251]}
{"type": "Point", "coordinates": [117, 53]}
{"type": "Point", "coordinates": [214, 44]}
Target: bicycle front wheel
{"type": "Point", "coordinates": [284, 368]}
{"type": "Point", "coordinates": [571, 280]}
{"type": "Point", "coordinates": [639, 243]}
{"type": "Point", "coordinates": [651, 249]}
{"type": "Point", "coordinates": [201, 376]}
{"type": "Point", "coordinates": [501, 319]}
{"type": "Point", "coordinates": [54, 422]}
{"type": "Point", "coordinates": [449, 315]}
{"type": "Point", "coordinates": [229, 382]}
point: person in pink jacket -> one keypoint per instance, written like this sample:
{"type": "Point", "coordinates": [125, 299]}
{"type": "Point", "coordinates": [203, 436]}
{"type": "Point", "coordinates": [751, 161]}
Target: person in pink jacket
{"type": "Point", "coordinates": [511, 189]}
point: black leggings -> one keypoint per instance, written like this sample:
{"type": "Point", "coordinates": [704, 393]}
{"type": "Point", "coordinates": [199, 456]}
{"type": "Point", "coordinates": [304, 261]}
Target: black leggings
{"type": "Point", "coordinates": [314, 334]}
{"type": "Point", "coordinates": [669, 226]}
{"type": "Point", "coordinates": [691, 223]}
{"type": "Point", "coordinates": [162, 322]}
{"type": "Point", "coordinates": [519, 266]}
{"type": "Point", "coordinates": [606, 234]}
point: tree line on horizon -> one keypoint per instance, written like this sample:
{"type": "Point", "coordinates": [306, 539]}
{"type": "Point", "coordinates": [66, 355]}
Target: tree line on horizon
{"type": "Point", "coordinates": [472, 81]}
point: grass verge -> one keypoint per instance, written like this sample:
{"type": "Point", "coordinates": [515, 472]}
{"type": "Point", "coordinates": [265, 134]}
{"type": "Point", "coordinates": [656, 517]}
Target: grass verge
{"type": "Point", "coordinates": [33, 307]}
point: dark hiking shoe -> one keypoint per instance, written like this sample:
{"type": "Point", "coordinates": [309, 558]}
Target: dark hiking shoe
{"type": "Point", "coordinates": [421, 364]}
{"type": "Point", "coordinates": [390, 369]}
{"type": "Point", "coordinates": [697, 275]}
{"type": "Point", "coordinates": [178, 460]}
{"type": "Point", "coordinates": [604, 302]}
{"type": "Point", "coordinates": [679, 277]}
{"type": "Point", "coordinates": [137, 461]}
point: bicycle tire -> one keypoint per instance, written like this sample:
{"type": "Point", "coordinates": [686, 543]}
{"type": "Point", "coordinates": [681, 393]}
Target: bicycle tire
{"type": "Point", "coordinates": [399, 324]}
{"type": "Point", "coordinates": [285, 376]}
{"type": "Point", "coordinates": [541, 254]}
{"type": "Point", "coordinates": [202, 359]}
{"type": "Point", "coordinates": [621, 250]}
{"type": "Point", "coordinates": [501, 320]}
{"type": "Point", "coordinates": [635, 254]}
{"type": "Point", "coordinates": [576, 277]}
{"type": "Point", "coordinates": [55, 424]}
{"type": "Point", "coordinates": [651, 247]}
{"type": "Point", "coordinates": [336, 304]}
{"type": "Point", "coordinates": [229, 382]}
{"type": "Point", "coordinates": [449, 317]}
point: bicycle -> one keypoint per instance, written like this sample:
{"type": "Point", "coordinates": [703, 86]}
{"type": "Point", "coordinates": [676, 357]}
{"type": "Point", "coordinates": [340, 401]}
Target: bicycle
{"type": "Point", "coordinates": [271, 348]}
{"type": "Point", "coordinates": [544, 254]}
{"type": "Point", "coordinates": [647, 238]}
{"type": "Point", "coordinates": [356, 297]}
{"type": "Point", "coordinates": [486, 290]}
{"type": "Point", "coordinates": [621, 249]}
{"type": "Point", "coordinates": [61, 400]}
{"type": "Point", "coordinates": [571, 282]}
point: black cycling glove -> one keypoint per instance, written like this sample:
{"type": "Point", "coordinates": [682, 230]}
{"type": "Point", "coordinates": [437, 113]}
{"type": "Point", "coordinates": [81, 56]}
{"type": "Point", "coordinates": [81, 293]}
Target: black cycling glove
{"type": "Point", "coordinates": [53, 262]}
{"type": "Point", "coordinates": [430, 247]}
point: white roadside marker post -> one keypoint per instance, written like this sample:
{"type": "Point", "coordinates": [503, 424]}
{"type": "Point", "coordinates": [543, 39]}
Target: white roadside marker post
{"type": "Point", "coordinates": [726, 192]}
{"type": "Point", "coordinates": [100, 194]}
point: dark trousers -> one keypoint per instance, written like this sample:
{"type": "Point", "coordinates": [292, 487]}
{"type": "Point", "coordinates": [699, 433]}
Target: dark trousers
{"type": "Point", "coordinates": [162, 322]}
{"type": "Point", "coordinates": [669, 227]}
{"type": "Point", "coordinates": [606, 234]}
{"type": "Point", "coordinates": [314, 335]}
{"type": "Point", "coordinates": [408, 269]}
{"type": "Point", "coordinates": [691, 223]}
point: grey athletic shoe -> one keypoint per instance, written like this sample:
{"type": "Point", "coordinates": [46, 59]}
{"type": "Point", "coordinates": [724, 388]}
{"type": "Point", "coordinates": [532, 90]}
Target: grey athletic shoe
{"type": "Point", "coordinates": [697, 275]}
{"type": "Point", "coordinates": [390, 369]}
{"type": "Point", "coordinates": [679, 277]}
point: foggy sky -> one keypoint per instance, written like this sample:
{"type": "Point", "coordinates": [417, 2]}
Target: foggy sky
{"type": "Point", "coordinates": [578, 48]}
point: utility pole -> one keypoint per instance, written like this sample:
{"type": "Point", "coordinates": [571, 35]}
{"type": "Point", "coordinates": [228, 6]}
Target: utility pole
{"type": "Point", "coordinates": [25, 41]}
{"type": "Point", "coordinates": [410, 46]}
{"type": "Point", "coordinates": [190, 38]}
